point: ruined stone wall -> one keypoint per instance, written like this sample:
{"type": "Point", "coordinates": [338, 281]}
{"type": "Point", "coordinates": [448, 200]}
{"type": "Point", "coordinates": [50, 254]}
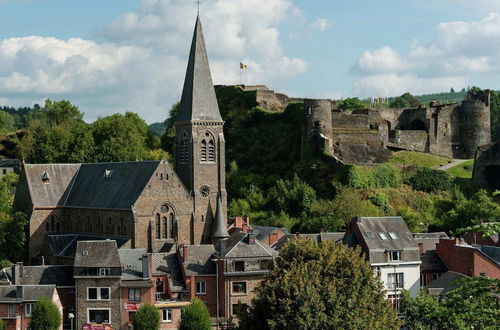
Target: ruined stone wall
{"type": "Point", "coordinates": [474, 123]}
{"type": "Point", "coordinates": [487, 166]}
{"type": "Point", "coordinates": [317, 126]}
{"type": "Point", "coordinates": [414, 140]}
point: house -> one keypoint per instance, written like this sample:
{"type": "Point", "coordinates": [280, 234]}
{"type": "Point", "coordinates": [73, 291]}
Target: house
{"type": "Point", "coordinates": [9, 165]}
{"type": "Point", "coordinates": [470, 260]}
{"type": "Point", "coordinates": [432, 266]}
{"type": "Point", "coordinates": [445, 283]}
{"type": "Point", "coordinates": [17, 302]}
{"type": "Point", "coordinates": [391, 250]}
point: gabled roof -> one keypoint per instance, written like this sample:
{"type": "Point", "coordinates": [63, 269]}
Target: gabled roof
{"type": "Point", "coordinates": [198, 100]}
{"type": "Point", "coordinates": [431, 262]}
{"type": "Point", "coordinates": [97, 254]}
{"type": "Point", "coordinates": [85, 185]}
{"type": "Point", "coordinates": [371, 229]}
{"type": "Point", "coordinates": [168, 264]}
{"type": "Point", "coordinates": [198, 260]}
{"type": "Point", "coordinates": [238, 247]}
{"type": "Point", "coordinates": [64, 245]}
{"type": "Point", "coordinates": [131, 262]}
{"type": "Point", "coordinates": [445, 283]}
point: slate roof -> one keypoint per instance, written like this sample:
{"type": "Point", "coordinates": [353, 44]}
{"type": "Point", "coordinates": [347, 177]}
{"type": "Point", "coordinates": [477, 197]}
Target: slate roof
{"type": "Point", "coordinates": [64, 245]}
{"type": "Point", "coordinates": [445, 283]}
{"type": "Point", "coordinates": [492, 252]}
{"type": "Point", "coordinates": [198, 260]}
{"type": "Point", "coordinates": [198, 101]}
{"type": "Point", "coordinates": [131, 262]}
{"type": "Point", "coordinates": [48, 274]}
{"type": "Point", "coordinates": [431, 262]}
{"type": "Point", "coordinates": [262, 232]}
{"type": "Point", "coordinates": [429, 240]}
{"type": "Point", "coordinates": [9, 163]}
{"type": "Point", "coordinates": [55, 192]}
{"type": "Point", "coordinates": [219, 225]}
{"type": "Point", "coordinates": [84, 185]}
{"type": "Point", "coordinates": [99, 254]}
{"type": "Point", "coordinates": [370, 227]}
{"type": "Point", "coordinates": [168, 264]}
{"type": "Point", "coordinates": [30, 292]}
{"type": "Point", "coordinates": [238, 247]}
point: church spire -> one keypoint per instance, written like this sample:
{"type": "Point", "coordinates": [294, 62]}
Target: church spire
{"type": "Point", "coordinates": [219, 226]}
{"type": "Point", "coordinates": [198, 100]}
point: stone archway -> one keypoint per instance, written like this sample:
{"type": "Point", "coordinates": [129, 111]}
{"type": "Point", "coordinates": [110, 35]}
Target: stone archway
{"type": "Point", "coordinates": [417, 125]}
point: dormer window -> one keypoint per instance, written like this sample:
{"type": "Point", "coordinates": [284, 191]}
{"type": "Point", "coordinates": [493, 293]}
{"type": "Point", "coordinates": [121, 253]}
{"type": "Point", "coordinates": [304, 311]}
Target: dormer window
{"type": "Point", "coordinates": [85, 253]}
{"type": "Point", "coordinates": [45, 177]}
{"type": "Point", "coordinates": [383, 236]}
{"type": "Point", "coordinates": [239, 266]}
{"type": "Point", "coordinates": [394, 255]}
{"type": "Point", "coordinates": [108, 174]}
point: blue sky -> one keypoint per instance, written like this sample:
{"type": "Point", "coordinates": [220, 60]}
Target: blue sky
{"type": "Point", "coordinates": [110, 56]}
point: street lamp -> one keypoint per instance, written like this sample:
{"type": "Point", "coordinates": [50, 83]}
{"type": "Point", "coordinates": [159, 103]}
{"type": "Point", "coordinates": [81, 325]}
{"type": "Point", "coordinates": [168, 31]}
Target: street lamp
{"type": "Point", "coordinates": [71, 316]}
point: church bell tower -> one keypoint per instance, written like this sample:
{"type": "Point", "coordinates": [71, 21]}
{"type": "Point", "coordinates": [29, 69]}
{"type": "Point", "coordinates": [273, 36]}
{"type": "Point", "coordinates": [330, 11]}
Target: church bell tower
{"type": "Point", "coordinates": [199, 150]}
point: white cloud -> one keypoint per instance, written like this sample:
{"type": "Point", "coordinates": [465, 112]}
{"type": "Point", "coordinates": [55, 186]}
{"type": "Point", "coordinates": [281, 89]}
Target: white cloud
{"type": "Point", "coordinates": [140, 61]}
{"type": "Point", "coordinates": [321, 24]}
{"type": "Point", "coordinates": [459, 52]}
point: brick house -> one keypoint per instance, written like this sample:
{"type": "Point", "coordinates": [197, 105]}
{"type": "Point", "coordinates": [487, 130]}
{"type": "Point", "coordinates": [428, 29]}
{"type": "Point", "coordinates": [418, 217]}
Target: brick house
{"type": "Point", "coordinates": [477, 260]}
{"type": "Point", "coordinates": [432, 266]}
{"type": "Point", "coordinates": [17, 302]}
{"type": "Point", "coordinates": [391, 250]}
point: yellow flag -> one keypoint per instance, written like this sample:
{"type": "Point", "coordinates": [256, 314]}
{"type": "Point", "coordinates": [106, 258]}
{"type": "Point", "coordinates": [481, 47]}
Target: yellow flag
{"type": "Point", "coordinates": [243, 66]}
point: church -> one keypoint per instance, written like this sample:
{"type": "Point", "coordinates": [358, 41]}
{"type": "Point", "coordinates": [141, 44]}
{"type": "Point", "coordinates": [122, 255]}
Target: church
{"type": "Point", "coordinates": [142, 204]}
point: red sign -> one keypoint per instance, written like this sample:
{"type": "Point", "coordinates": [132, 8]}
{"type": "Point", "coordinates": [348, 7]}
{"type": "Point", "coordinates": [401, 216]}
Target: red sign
{"type": "Point", "coordinates": [89, 326]}
{"type": "Point", "coordinates": [131, 306]}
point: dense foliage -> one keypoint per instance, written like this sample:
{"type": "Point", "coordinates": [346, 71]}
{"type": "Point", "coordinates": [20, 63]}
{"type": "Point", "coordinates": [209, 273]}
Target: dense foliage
{"type": "Point", "coordinates": [295, 294]}
{"type": "Point", "coordinates": [405, 101]}
{"type": "Point", "coordinates": [471, 306]}
{"type": "Point", "coordinates": [430, 180]}
{"type": "Point", "coordinates": [147, 317]}
{"type": "Point", "coordinates": [351, 103]}
{"type": "Point", "coordinates": [45, 315]}
{"type": "Point", "coordinates": [195, 316]}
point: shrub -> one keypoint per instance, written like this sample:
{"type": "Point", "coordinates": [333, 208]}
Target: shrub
{"type": "Point", "coordinates": [430, 180]}
{"type": "Point", "coordinates": [147, 317]}
{"type": "Point", "coordinates": [195, 316]}
{"type": "Point", "coordinates": [381, 200]}
{"type": "Point", "coordinates": [45, 315]}
{"type": "Point", "coordinates": [384, 176]}
{"type": "Point", "coordinates": [359, 177]}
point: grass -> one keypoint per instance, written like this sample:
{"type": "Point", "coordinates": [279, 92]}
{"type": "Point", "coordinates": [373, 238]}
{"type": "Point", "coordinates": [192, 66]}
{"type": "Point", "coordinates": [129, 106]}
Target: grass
{"type": "Point", "coordinates": [463, 170]}
{"type": "Point", "coordinates": [418, 159]}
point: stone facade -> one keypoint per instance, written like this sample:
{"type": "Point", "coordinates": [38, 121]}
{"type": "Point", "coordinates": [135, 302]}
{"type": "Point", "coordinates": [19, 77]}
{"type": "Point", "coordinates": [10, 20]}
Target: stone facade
{"type": "Point", "coordinates": [487, 166]}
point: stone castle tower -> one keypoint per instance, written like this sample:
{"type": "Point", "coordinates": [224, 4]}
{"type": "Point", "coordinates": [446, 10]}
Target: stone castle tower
{"type": "Point", "coordinates": [199, 149]}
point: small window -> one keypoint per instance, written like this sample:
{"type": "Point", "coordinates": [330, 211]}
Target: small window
{"type": "Point", "coordinates": [482, 274]}
{"type": "Point", "coordinates": [85, 253]}
{"type": "Point", "coordinates": [393, 235]}
{"type": "Point", "coordinates": [166, 315]}
{"type": "Point", "coordinates": [369, 234]}
{"type": "Point", "coordinates": [164, 209]}
{"type": "Point", "coordinates": [383, 236]}
{"type": "Point", "coordinates": [159, 286]}
{"type": "Point", "coordinates": [239, 266]}
{"type": "Point", "coordinates": [164, 227]}
{"type": "Point", "coordinates": [239, 287]}
{"type": "Point", "coordinates": [134, 294]}
{"type": "Point", "coordinates": [104, 271]}
{"type": "Point", "coordinates": [435, 276]}
{"type": "Point", "coordinates": [97, 293]}
{"type": "Point", "coordinates": [394, 255]}
{"type": "Point", "coordinates": [201, 287]}
{"type": "Point", "coordinates": [12, 310]}
{"type": "Point", "coordinates": [28, 309]}
{"type": "Point", "coordinates": [157, 226]}
{"type": "Point", "coordinates": [395, 281]}
{"type": "Point", "coordinates": [99, 316]}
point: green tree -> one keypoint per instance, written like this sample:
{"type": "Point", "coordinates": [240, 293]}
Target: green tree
{"type": "Point", "coordinates": [45, 315]}
{"type": "Point", "coordinates": [168, 136]}
{"type": "Point", "coordinates": [120, 138]}
{"type": "Point", "coordinates": [405, 101]}
{"type": "Point", "coordinates": [195, 316]}
{"type": "Point", "coordinates": [60, 113]}
{"type": "Point", "coordinates": [351, 103]}
{"type": "Point", "coordinates": [147, 317]}
{"type": "Point", "coordinates": [470, 306]}
{"type": "Point", "coordinates": [295, 294]}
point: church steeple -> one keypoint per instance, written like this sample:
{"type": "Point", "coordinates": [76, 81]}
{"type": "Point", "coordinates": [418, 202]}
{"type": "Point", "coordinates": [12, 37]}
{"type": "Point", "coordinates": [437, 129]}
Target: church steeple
{"type": "Point", "coordinates": [198, 100]}
{"type": "Point", "coordinates": [219, 226]}
{"type": "Point", "coordinates": [199, 146]}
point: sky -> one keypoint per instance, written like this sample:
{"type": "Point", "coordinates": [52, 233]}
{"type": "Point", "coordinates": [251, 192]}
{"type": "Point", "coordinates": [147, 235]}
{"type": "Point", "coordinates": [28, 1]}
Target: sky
{"type": "Point", "coordinates": [109, 56]}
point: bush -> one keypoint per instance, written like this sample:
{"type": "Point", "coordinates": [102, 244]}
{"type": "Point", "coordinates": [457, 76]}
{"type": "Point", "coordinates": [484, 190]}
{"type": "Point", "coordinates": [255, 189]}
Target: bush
{"type": "Point", "coordinates": [383, 176]}
{"type": "Point", "coordinates": [430, 180]}
{"type": "Point", "coordinates": [381, 200]}
{"type": "Point", "coordinates": [147, 317]}
{"type": "Point", "coordinates": [195, 316]}
{"type": "Point", "coordinates": [45, 315]}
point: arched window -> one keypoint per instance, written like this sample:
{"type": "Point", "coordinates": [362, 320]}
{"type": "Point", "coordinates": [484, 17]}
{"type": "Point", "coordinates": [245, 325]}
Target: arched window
{"type": "Point", "coordinates": [171, 225]}
{"type": "Point", "coordinates": [207, 148]}
{"type": "Point", "coordinates": [184, 147]}
{"type": "Point", "coordinates": [157, 226]}
{"type": "Point", "coordinates": [164, 228]}
{"type": "Point", "coordinates": [203, 150]}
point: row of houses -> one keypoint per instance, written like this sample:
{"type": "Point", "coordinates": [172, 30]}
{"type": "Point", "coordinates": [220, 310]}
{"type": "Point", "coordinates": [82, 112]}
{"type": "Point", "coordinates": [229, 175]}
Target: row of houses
{"type": "Point", "coordinates": [106, 284]}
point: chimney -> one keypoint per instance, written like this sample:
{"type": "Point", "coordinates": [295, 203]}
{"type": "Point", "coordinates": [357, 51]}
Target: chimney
{"type": "Point", "coordinates": [185, 253]}
{"type": "Point", "coordinates": [238, 222]}
{"type": "Point", "coordinates": [17, 273]}
{"type": "Point", "coordinates": [251, 237]}
{"type": "Point", "coordinates": [145, 266]}
{"type": "Point", "coordinates": [421, 248]}
{"type": "Point", "coordinates": [19, 292]}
